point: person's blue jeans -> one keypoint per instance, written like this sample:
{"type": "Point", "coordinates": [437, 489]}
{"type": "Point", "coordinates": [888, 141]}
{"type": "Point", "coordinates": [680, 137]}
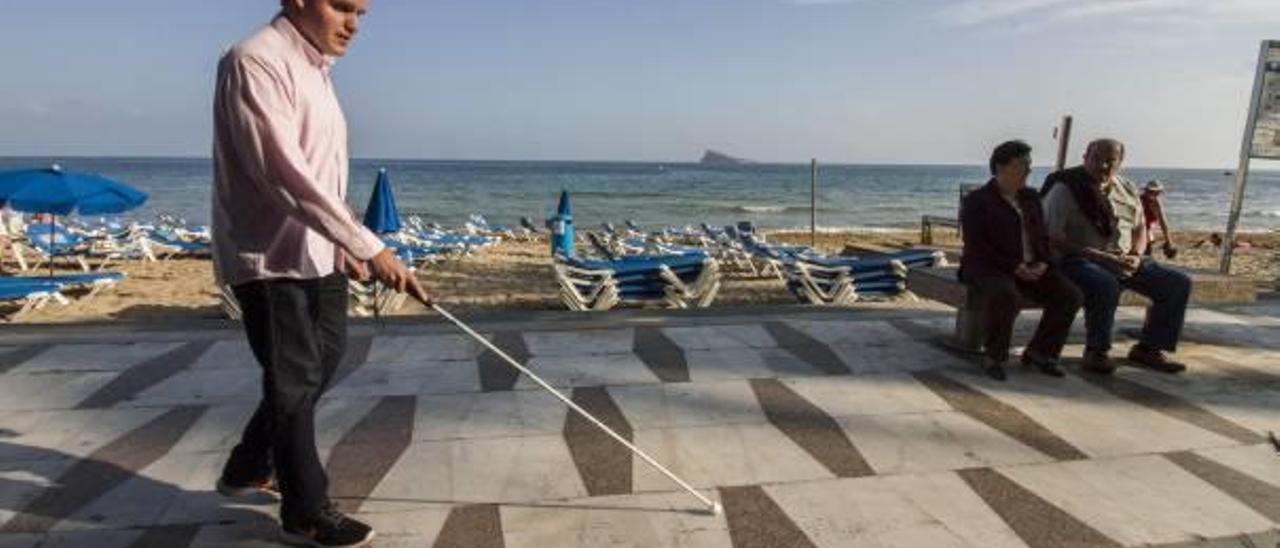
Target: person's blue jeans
{"type": "Point", "coordinates": [1168, 289]}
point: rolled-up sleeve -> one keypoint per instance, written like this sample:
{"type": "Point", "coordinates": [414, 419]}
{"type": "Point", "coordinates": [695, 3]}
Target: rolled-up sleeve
{"type": "Point", "coordinates": [264, 132]}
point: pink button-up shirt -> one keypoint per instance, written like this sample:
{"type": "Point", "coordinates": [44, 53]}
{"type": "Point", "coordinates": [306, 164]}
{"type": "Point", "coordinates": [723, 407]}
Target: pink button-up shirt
{"type": "Point", "coordinates": [280, 163]}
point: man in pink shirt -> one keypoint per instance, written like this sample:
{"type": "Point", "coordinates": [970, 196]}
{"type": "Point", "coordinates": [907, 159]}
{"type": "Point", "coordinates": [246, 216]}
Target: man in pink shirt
{"type": "Point", "coordinates": [284, 240]}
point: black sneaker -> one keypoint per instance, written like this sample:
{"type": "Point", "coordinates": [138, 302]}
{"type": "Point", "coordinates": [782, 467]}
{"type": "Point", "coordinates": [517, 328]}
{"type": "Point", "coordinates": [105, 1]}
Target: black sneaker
{"type": "Point", "coordinates": [993, 368]}
{"type": "Point", "coordinates": [241, 489]}
{"type": "Point", "coordinates": [1155, 360]}
{"type": "Point", "coordinates": [1044, 365]}
{"type": "Point", "coordinates": [330, 530]}
{"type": "Point", "coordinates": [1098, 363]}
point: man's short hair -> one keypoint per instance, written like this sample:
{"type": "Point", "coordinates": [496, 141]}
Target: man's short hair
{"type": "Point", "coordinates": [1106, 141]}
{"type": "Point", "coordinates": [1008, 151]}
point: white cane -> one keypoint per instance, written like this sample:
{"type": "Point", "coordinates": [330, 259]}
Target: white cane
{"type": "Point", "coordinates": [712, 506]}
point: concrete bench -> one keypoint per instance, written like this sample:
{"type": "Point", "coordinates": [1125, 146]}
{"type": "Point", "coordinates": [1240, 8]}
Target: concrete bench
{"type": "Point", "coordinates": [942, 285]}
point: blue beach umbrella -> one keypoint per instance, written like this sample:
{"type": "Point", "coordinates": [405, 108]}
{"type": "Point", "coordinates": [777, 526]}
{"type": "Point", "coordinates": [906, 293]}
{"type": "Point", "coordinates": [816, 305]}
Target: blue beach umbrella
{"type": "Point", "coordinates": [562, 227]}
{"type": "Point", "coordinates": [52, 190]}
{"type": "Point", "coordinates": [381, 216]}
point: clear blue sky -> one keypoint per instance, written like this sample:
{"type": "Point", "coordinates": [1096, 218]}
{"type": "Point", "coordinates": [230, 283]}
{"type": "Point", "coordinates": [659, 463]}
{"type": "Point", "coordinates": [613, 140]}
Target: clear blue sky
{"type": "Point", "coordinates": [903, 81]}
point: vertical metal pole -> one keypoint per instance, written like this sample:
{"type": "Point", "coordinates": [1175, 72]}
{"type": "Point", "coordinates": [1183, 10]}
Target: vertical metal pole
{"type": "Point", "coordinates": [813, 202]}
{"type": "Point", "coordinates": [1242, 170]}
{"type": "Point", "coordinates": [1064, 142]}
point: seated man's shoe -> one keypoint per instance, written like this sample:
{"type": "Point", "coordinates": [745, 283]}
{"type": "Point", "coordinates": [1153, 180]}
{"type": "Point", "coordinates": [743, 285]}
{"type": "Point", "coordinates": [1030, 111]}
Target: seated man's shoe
{"type": "Point", "coordinates": [1098, 363]}
{"type": "Point", "coordinates": [1153, 359]}
{"type": "Point", "coordinates": [330, 530]}
{"type": "Point", "coordinates": [993, 368]}
{"type": "Point", "coordinates": [236, 488]}
{"type": "Point", "coordinates": [1042, 364]}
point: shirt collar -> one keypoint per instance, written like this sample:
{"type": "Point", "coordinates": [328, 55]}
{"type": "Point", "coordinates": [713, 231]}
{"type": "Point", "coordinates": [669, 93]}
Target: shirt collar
{"type": "Point", "coordinates": [291, 33]}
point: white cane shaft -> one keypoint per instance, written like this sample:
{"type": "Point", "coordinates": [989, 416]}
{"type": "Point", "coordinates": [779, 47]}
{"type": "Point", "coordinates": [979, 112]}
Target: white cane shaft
{"type": "Point", "coordinates": [574, 406]}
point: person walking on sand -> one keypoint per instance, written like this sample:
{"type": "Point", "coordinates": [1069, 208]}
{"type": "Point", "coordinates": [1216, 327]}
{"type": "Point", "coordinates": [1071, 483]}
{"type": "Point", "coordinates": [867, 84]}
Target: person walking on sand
{"type": "Point", "coordinates": [1095, 223]}
{"type": "Point", "coordinates": [1006, 257]}
{"type": "Point", "coordinates": [1155, 219]}
{"type": "Point", "coordinates": [284, 240]}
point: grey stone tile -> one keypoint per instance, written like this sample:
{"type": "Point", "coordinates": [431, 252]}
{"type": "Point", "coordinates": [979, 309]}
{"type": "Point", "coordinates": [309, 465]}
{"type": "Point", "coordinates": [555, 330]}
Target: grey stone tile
{"type": "Point", "coordinates": [1139, 500]}
{"type": "Point", "coordinates": [92, 357]}
{"type": "Point", "coordinates": [633, 521]}
{"type": "Point", "coordinates": [585, 342]}
{"type": "Point", "coordinates": [901, 511]}
{"type": "Point", "coordinates": [710, 456]}
{"type": "Point", "coordinates": [933, 442]}
{"type": "Point", "coordinates": [488, 415]}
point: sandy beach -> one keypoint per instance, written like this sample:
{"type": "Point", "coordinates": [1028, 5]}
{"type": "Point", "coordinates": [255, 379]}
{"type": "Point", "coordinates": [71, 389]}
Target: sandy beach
{"type": "Point", "coordinates": [515, 275]}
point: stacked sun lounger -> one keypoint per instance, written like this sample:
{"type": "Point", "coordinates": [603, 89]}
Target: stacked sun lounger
{"type": "Point", "coordinates": [30, 293]}
{"type": "Point", "coordinates": [675, 280]}
{"type": "Point", "coordinates": [839, 280]}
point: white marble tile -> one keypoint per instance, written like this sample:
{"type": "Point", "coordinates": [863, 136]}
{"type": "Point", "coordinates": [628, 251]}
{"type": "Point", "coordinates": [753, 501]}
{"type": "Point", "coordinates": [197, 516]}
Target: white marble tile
{"type": "Point", "coordinates": [198, 502]}
{"type": "Point", "coordinates": [1093, 420]}
{"type": "Point", "coordinates": [417, 528]}
{"type": "Point", "coordinates": [1139, 500]}
{"type": "Point", "coordinates": [92, 357]}
{"type": "Point", "coordinates": [784, 364]}
{"type": "Point", "coordinates": [583, 342]}
{"type": "Point", "coordinates": [257, 533]}
{"type": "Point", "coordinates": [145, 497]}
{"type": "Point", "coordinates": [727, 363]}
{"type": "Point", "coordinates": [842, 396]}
{"type": "Point", "coordinates": [404, 379]}
{"type": "Point", "coordinates": [488, 415]}
{"type": "Point", "coordinates": [720, 337]}
{"type": "Point", "coordinates": [21, 540]}
{"type": "Point", "coordinates": [49, 390]}
{"type": "Point", "coordinates": [1258, 461]}
{"type": "Point", "coordinates": [97, 539]}
{"type": "Point", "coordinates": [875, 347]}
{"type": "Point", "coordinates": [23, 482]}
{"type": "Point", "coordinates": [228, 354]}
{"type": "Point", "coordinates": [588, 370]}
{"type": "Point", "coordinates": [206, 386]}
{"type": "Point", "coordinates": [46, 435]}
{"type": "Point", "coordinates": [516, 470]}
{"type": "Point", "coordinates": [932, 442]}
{"type": "Point", "coordinates": [335, 417]}
{"type": "Point", "coordinates": [410, 350]}
{"type": "Point", "coordinates": [632, 521]}
{"type": "Point", "coordinates": [722, 456]}
{"type": "Point", "coordinates": [683, 405]}
{"type": "Point", "coordinates": [901, 511]}
{"type": "Point", "coordinates": [217, 429]}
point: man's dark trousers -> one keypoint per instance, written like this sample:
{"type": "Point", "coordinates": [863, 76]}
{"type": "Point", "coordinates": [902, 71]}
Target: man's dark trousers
{"type": "Point", "coordinates": [1000, 298]}
{"type": "Point", "coordinates": [298, 331]}
{"type": "Point", "coordinates": [1168, 289]}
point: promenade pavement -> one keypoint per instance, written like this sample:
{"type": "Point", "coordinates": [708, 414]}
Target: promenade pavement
{"type": "Point", "coordinates": [814, 428]}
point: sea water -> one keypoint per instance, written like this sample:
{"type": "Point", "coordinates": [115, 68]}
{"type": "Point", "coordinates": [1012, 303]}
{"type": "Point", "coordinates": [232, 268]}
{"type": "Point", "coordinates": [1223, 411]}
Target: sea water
{"type": "Point", "coordinates": [654, 195]}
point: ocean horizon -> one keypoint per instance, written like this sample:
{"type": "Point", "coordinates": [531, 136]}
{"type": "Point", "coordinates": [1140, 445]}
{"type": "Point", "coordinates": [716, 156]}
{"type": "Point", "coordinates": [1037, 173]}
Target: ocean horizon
{"type": "Point", "coordinates": [657, 194]}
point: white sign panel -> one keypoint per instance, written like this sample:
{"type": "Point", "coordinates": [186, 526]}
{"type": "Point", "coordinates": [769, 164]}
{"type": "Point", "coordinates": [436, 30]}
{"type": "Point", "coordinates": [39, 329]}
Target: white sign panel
{"type": "Point", "coordinates": [1266, 131]}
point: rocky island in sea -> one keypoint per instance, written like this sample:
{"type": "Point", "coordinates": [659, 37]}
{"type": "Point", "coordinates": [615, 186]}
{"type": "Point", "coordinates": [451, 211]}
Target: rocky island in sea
{"type": "Point", "coordinates": [714, 158]}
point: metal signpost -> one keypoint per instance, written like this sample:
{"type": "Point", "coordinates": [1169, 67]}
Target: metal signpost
{"type": "Point", "coordinates": [1261, 136]}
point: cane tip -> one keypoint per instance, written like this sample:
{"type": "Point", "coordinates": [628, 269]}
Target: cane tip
{"type": "Point", "coordinates": [717, 509]}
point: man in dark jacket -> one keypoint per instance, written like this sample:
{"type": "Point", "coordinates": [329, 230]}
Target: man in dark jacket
{"type": "Point", "coordinates": [1006, 258]}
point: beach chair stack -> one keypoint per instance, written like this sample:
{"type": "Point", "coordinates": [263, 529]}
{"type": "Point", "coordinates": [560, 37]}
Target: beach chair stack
{"type": "Point", "coordinates": [841, 280]}
{"type": "Point", "coordinates": [674, 281]}
{"type": "Point", "coordinates": [26, 294]}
